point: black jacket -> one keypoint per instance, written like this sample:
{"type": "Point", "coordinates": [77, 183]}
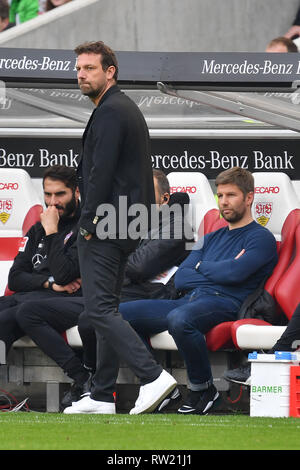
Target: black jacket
{"type": "Point", "coordinates": [161, 250]}
{"type": "Point", "coordinates": [115, 159]}
{"type": "Point", "coordinates": [43, 256]}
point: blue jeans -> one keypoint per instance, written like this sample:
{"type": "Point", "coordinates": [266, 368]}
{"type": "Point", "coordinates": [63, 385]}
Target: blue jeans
{"type": "Point", "coordinates": [187, 319]}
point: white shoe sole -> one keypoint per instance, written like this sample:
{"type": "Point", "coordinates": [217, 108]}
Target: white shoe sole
{"type": "Point", "coordinates": [88, 406]}
{"type": "Point", "coordinates": [155, 399]}
{"type": "Point", "coordinates": [74, 411]}
{"type": "Point", "coordinates": [247, 383]}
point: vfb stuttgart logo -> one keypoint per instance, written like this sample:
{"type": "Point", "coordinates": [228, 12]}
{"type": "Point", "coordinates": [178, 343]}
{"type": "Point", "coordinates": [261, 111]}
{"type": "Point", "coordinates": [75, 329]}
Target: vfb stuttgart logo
{"type": "Point", "coordinates": [6, 206]}
{"type": "Point", "coordinates": [263, 212]}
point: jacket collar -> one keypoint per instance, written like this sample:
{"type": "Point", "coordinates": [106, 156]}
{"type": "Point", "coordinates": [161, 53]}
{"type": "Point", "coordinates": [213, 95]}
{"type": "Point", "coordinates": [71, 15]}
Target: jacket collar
{"type": "Point", "coordinates": [112, 90]}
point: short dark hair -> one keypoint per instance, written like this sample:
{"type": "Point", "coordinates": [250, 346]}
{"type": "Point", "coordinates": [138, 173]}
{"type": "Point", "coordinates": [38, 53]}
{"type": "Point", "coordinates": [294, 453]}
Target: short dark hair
{"type": "Point", "coordinates": [63, 173]}
{"type": "Point", "coordinates": [288, 43]}
{"type": "Point", "coordinates": [108, 56]}
{"type": "Point", "coordinates": [162, 180]}
{"type": "Point", "coordinates": [4, 9]}
{"type": "Point", "coordinates": [49, 5]}
{"type": "Point", "coordinates": [242, 178]}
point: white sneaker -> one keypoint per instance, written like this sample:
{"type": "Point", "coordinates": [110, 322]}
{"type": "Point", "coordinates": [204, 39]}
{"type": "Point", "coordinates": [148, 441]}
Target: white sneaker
{"type": "Point", "coordinates": [153, 393]}
{"type": "Point", "coordinates": [89, 406]}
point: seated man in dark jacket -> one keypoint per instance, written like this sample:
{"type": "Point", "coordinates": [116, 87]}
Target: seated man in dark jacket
{"type": "Point", "coordinates": [162, 249]}
{"type": "Point", "coordinates": [47, 268]}
{"type": "Point", "coordinates": [153, 258]}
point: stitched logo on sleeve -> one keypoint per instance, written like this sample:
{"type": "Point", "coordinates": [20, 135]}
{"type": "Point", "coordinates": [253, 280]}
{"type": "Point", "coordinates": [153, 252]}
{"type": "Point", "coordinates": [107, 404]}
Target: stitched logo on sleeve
{"type": "Point", "coordinates": [23, 243]}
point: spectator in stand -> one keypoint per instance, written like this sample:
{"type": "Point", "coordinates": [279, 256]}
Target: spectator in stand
{"type": "Point", "coordinates": [294, 30]}
{"type": "Point", "coordinates": [23, 10]}
{"type": "Point", "coordinates": [4, 16]}
{"type": "Point", "coordinates": [51, 4]}
{"type": "Point", "coordinates": [281, 44]}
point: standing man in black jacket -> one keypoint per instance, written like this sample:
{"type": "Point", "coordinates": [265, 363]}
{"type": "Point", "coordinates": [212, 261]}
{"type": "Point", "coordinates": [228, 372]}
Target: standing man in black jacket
{"type": "Point", "coordinates": [147, 273]}
{"type": "Point", "coordinates": [147, 276]}
{"type": "Point", "coordinates": [115, 164]}
{"type": "Point", "coordinates": [47, 267]}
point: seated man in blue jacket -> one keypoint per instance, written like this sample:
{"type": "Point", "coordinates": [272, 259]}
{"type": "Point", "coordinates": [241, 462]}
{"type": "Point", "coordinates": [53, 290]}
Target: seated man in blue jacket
{"type": "Point", "coordinates": [220, 272]}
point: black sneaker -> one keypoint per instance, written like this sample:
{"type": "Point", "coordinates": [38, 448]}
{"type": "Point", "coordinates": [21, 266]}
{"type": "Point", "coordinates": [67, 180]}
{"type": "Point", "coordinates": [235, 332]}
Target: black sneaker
{"type": "Point", "coordinates": [198, 403]}
{"type": "Point", "coordinates": [170, 399]}
{"type": "Point", "coordinates": [241, 375]}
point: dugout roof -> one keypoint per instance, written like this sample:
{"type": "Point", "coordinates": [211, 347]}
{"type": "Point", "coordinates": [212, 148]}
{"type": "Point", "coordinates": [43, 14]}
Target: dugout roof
{"type": "Point", "coordinates": [173, 90]}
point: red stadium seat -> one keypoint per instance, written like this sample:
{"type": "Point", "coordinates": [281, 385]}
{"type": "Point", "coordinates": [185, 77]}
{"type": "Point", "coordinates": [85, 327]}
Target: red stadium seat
{"type": "Point", "coordinates": [219, 223]}
{"type": "Point", "coordinates": [211, 218]}
{"type": "Point", "coordinates": [219, 336]}
{"type": "Point", "coordinates": [287, 290]}
{"type": "Point", "coordinates": [282, 285]}
{"type": "Point", "coordinates": [20, 208]}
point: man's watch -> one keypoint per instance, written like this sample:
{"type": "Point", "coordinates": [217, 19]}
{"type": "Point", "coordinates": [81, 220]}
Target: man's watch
{"type": "Point", "coordinates": [83, 232]}
{"type": "Point", "coordinates": [50, 285]}
{"type": "Point", "coordinates": [197, 265]}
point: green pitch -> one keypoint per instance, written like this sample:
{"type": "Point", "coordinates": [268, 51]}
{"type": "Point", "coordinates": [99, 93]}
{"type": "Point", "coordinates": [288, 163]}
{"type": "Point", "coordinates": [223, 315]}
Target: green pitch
{"type": "Point", "coordinates": [42, 431]}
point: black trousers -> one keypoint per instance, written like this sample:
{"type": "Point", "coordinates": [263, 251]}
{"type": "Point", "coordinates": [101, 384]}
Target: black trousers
{"type": "Point", "coordinates": [44, 322]}
{"type": "Point", "coordinates": [43, 316]}
{"type": "Point", "coordinates": [129, 293]}
{"type": "Point", "coordinates": [290, 339]}
{"type": "Point", "coordinates": [102, 265]}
